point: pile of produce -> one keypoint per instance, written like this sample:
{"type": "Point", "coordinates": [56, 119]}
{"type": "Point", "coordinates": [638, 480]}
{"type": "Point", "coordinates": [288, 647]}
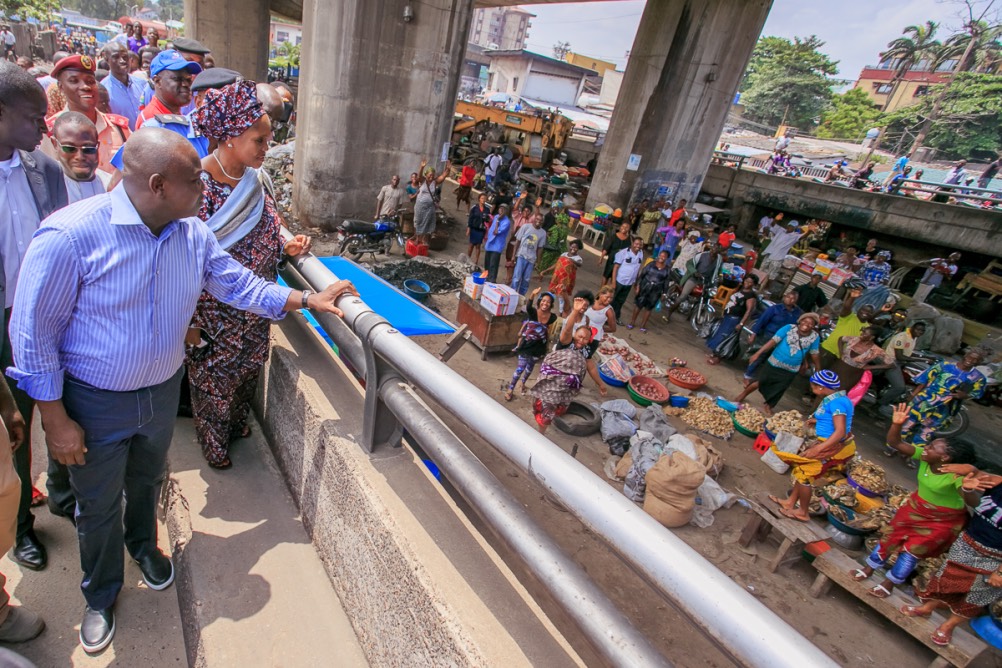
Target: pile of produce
{"type": "Point", "coordinates": [687, 376]}
{"type": "Point", "coordinates": [750, 418]}
{"type": "Point", "coordinates": [640, 364]}
{"type": "Point", "coordinates": [705, 415]}
{"type": "Point", "coordinates": [792, 422]}
{"type": "Point", "coordinates": [840, 494]}
{"type": "Point", "coordinates": [674, 410]}
{"type": "Point", "coordinates": [869, 475]}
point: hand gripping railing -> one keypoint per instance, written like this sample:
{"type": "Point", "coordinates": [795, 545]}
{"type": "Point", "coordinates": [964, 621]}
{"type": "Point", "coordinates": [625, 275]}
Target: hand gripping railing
{"type": "Point", "coordinates": [739, 624]}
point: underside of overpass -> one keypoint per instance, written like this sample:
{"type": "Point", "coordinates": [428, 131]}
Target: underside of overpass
{"type": "Point", "coordinates": [377, 91]}
{"type": "Point", "coordinates": [293, 9]}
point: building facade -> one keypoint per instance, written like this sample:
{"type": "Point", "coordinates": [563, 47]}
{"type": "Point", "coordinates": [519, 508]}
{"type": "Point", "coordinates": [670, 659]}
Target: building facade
{"type": "Point", "coordinates": [878, 82]}
{"type": "Point", "coordinates": [589, 63]}
{"type": "Point", "coordinates": [537, 77]}
{"type": "Point", "coordinates": [501, 28]}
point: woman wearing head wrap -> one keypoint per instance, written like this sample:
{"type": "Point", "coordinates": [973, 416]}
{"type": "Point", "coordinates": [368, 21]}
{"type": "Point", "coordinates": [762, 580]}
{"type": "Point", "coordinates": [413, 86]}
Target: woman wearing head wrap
{"type": "Point", "coordinates": [933, 516]}
{"type": "Point", "coordinates": [426, 201]}
{"type": "Point", "coordinates": [229, 347]}
{"type": "Point", "coordinates": [832, 450]}
{"type": "Point", "coordinates": [790, 346]}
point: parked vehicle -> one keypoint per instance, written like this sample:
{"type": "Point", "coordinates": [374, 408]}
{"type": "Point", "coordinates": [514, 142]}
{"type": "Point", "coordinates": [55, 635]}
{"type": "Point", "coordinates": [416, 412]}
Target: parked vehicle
{"type": "Point", "coordinates": [358, 237]}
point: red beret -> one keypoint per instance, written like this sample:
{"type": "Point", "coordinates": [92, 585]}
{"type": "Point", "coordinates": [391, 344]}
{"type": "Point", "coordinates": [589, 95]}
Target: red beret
{"type": "Point", "coordinates": [82, 63]}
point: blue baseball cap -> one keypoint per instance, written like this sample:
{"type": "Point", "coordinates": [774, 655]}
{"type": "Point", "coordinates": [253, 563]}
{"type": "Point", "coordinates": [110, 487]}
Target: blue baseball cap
{"type": "Point", "coordinates": [172, 60]}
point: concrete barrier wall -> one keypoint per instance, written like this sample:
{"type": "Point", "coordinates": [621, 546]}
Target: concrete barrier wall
{"type": "Point", "coordinates": [409, 602]}
{"type": "Point", "coordinates": [944, 225]}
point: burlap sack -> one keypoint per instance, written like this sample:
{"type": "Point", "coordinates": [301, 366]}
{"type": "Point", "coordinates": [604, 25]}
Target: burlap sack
{"type": "Point", "coordinates": [623, 467]}
{"type": "Point", "coordinates": [673, 480]}
{"type": "Point", "coordinates": [711, 458]}
{"type": "Point", "coordinates": [668, 516]}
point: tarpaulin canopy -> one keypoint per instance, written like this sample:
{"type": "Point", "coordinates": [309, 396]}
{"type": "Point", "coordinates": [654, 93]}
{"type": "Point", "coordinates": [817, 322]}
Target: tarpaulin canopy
{"type": "Point", "coordinates": [408, 316]}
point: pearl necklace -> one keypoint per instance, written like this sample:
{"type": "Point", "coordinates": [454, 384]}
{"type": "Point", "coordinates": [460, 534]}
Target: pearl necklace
{"type": "Point", "coordinates": [223, 169]}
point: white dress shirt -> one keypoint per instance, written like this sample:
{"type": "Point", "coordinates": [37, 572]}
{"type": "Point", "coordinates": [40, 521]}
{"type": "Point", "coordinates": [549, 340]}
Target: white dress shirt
{"type": "Point", "coordinates": [78, 190]}
{"type": "Point", "coordinates": [18, 220]}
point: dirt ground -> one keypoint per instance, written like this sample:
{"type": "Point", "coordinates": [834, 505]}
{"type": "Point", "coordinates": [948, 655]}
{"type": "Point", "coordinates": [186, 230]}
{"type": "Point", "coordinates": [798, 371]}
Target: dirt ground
{"type": "Point", "coordinates": [839, 623]}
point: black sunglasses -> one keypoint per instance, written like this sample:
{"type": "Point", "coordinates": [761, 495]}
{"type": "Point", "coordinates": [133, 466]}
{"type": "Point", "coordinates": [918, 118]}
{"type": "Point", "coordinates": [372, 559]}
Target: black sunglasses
{"type": "Point", "coordinates": [86, 150]}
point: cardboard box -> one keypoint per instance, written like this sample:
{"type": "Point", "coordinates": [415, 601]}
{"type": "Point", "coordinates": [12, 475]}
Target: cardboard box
{"type": "Point", "coordinates": [474, 290]}
{"type": "Point", "coordinates": [838, 276]}
{"type": "Point", "coordinates": [499, 299]}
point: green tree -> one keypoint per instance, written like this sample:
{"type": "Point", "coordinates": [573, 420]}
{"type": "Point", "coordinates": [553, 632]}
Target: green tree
{"type": "Point", "coordinates": [849, 117]}
{"type": "Point", "coordinates": [288, 54]}
{"type": "Point", "coordinates": [38, 9]}
{"type": "Point", "coordinates": [904, 53]}
{"type": "Point", "coordinates": [787, 81]}
{"type": "Point", "coordinates": [969, 116]}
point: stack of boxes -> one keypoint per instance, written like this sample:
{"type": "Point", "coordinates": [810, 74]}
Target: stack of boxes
{"type": "Point", "coordinates": [498, 299]}
{"type": "Point", "coordinates": [473, 289]}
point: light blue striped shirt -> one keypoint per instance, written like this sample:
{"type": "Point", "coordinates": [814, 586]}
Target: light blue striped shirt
{"type": "Point", "coordinates": [124, 100]}
{"type": "Point", "coordinates": [104, 300]}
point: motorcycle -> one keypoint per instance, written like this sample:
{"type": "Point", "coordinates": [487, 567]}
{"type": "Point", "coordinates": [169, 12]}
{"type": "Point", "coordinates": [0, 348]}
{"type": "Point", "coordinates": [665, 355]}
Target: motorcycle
{"type": "Point", "coordinates": [358, 237]}
{"type": "Point", "coordinates": [671, 296]}
{"type": "Point", "coordinates": [955, 426]}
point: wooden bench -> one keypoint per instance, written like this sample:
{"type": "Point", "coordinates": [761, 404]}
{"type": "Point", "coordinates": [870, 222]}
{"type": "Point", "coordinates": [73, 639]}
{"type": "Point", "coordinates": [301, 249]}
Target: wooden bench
{"type": "Point", "coordinates": [835, 566]}
{"type": "Point", "coordinates": [767, 519]}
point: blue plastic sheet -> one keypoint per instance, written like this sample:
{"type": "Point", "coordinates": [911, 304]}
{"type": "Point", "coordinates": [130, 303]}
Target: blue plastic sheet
{"type": "Point", "coordinates": [405, 314]}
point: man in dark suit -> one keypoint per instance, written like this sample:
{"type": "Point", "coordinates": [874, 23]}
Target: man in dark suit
{"type": "Point", "coordinates": [31, 188]}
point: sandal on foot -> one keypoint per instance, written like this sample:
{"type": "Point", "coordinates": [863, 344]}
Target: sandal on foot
{"type": "Point", "coordinates": [859, 575]}
{"type": "Point", "coordinates": [941, 638]}
{"type": "Point", "coordinates": [792, 514]}
{"type": "Point", "coordinates": [509, 395]}
{"type": "Point", "coordinates": [643, 330]}
{"type": "Point", "coordinates": [629, 326]}
{"type": "Point", "coordinates": [222, 465]}
{"type": "Point", "coordinates": [778, 501]}
{"type": "Point", "coordinates": [914, 611]}
{"type": "Point", "coordinates": [880, 591]}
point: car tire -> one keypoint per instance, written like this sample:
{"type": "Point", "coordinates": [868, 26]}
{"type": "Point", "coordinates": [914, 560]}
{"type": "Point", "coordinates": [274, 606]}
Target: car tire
{"type": "Point", "coordinates": [579, 420]}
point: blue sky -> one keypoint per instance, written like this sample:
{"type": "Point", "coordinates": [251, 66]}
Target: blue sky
{"type": "Point", "coordinates": [855, 30]}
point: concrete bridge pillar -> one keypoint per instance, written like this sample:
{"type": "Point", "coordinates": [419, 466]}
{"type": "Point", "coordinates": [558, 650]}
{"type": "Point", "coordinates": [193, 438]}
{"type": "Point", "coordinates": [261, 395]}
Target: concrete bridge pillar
{"type": "Point", "coordinates": [376, 94]}
{"type": "Point", "coordinates": [685, 66]}
{"type": "Point", "coordinates": [237, 31]}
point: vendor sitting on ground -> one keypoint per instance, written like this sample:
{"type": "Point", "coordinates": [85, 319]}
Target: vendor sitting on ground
{"type": "Point", "coordinates": [832, 451]}
{"type": "Point", "coordinates": [932, 518]}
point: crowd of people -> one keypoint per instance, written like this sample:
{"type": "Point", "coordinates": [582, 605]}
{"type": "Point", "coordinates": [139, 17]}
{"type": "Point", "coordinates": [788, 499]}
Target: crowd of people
{"type": "Point", "coordinates": [140, 246]}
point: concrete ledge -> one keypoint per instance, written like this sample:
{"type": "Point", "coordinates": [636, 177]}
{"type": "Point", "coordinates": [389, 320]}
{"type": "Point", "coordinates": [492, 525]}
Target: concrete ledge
{"type": "Point", "coordinates": [421, 587]}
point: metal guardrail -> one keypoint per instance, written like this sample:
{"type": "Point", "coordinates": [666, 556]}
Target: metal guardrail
{"type": "Point", "coordinates": [748, 631]}
{"type": "Point", "coordinates": [950, 190]}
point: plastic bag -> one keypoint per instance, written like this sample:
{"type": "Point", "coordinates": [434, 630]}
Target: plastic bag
{"type": "Point", "coordinates": [673, 483]}
{"type": "Point", "coordinates": [646, 451]}
{"type": "Point", "coordinates": [859, 389]}
{"type": "Point", "coordinates": [709, 497]}
{"type": "Point", "coordinates": [617, 419]}
{"type": "Point", "coordinates": [619, 445]}
{"type": "Point", "coordinates": [654, 420]}
{"type": "Point", "coordinates": [729, 348]}
{"type": "Point", "coordinates": [786, 443]}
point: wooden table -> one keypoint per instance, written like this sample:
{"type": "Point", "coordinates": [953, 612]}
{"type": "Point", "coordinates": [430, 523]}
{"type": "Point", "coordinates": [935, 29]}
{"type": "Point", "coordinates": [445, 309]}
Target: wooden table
{"type": "Point", "coordinates": [835, 566]}
{"type": "Point", "coordinates": [767, 518]}
{"type": "Point", "coordinates": [491, 333]}
{"type": "Point", "coordinates": [539, 184]}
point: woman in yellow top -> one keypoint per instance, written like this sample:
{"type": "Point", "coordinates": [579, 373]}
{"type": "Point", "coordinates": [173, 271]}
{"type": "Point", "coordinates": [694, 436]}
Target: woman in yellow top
{"type": "Point", "coordinates": [932, 518]}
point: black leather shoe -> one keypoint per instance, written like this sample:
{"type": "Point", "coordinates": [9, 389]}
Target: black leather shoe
{"type": "Point", "coordinates": [29, 552]}
{"type": "Point", "coordinates": [97, 629]}
{"type": "Point", "coordinates": [158, 570]}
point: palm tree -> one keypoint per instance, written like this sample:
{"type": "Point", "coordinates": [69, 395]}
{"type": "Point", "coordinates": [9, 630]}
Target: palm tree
{"type": "Point", "coordinates": [904, 53]}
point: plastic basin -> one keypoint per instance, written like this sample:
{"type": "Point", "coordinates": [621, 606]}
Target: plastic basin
{"type": "Point", "coordinates": [416, 289]}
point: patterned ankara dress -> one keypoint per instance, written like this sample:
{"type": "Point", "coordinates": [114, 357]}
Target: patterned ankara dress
{"type": "Point", "coordinates": [224, 375]}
